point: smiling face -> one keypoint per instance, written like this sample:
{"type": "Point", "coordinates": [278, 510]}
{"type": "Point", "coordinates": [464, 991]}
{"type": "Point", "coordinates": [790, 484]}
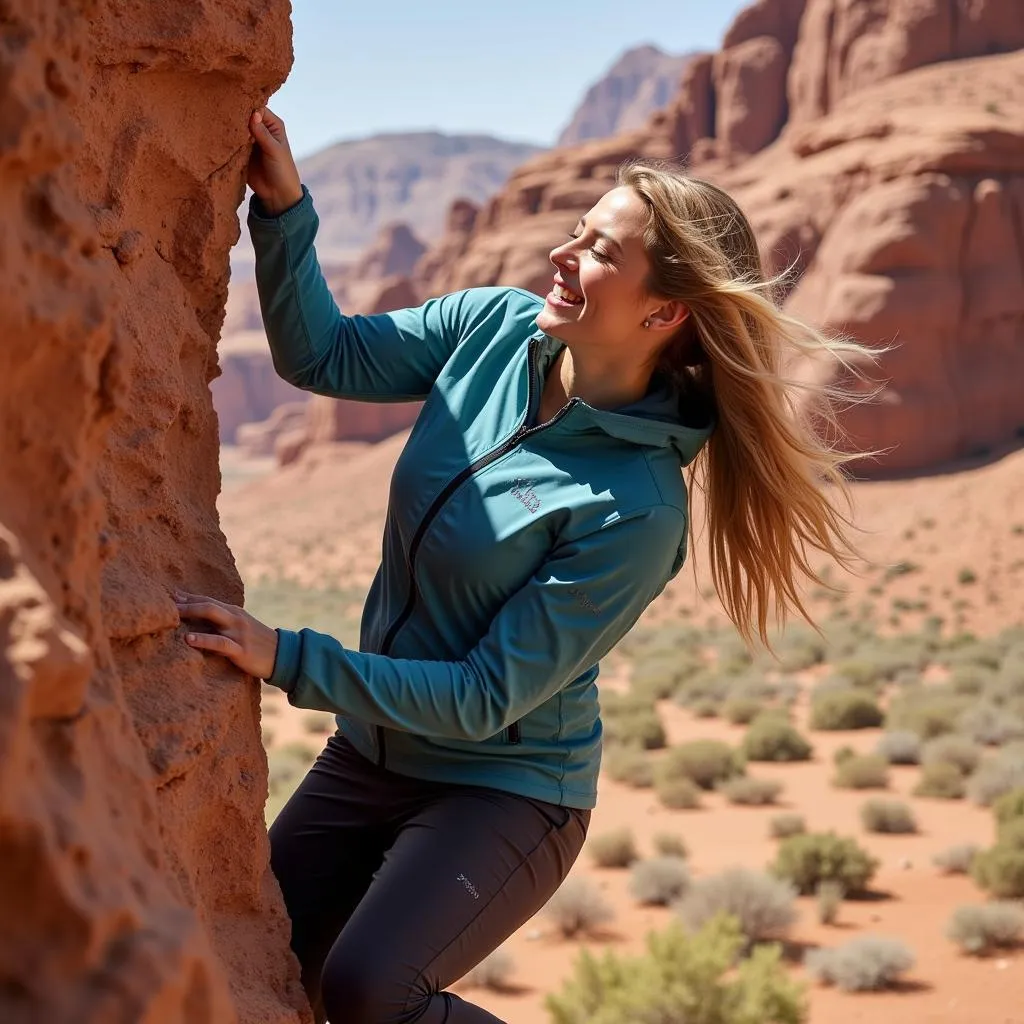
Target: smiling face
{"type": "Point", "coordinates": [599, 296]}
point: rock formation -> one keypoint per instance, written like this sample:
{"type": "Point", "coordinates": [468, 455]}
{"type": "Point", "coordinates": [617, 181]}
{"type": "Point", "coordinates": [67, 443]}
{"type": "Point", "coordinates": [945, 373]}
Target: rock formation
{"type": "Point", "coordinates": [640, 82]}
{"type": "Point", "coordinates": [878, 148]}
{"type": "Point", "coordinates": [135, 884]}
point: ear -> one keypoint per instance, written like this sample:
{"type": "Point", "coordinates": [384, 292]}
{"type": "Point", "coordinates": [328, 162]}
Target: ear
{"type": "Point", "coordinates": [669, 315]}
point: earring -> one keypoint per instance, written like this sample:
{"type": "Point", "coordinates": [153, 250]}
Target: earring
{"type": "Point", "coordinates": [647, 323]}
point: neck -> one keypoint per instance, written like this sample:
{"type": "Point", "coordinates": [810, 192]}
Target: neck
{"type": "Point", "coordinates": [601, 383]}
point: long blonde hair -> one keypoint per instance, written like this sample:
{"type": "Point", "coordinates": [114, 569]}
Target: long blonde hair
{"type": "Point", "coordinates": [772, 471]}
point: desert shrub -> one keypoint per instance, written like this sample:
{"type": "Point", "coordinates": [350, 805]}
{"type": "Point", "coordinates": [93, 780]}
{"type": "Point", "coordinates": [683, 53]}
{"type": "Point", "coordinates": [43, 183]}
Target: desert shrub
{"type": "Point", "coordinates": [999, 870]}
{"type": "Point", "coordinates": [900, 746]}
{"type": "Point", "coordinates": [952, 749]}
{"type": "Point", "coordinates": [929, 711]}
{"type": "Point", "coordinates": [632, 722]}
{"type": "Point", "coordinates": [286, 767]}
{"type": "Point", "coordinates": [577, 908]}
{"type": "Point", "coordinates": [267, 737]}
{"type": "Point", "coordinates": [1009, 807]}
{"type": "Point", "coordinates": [978, 930]}
{"type": "Point", "coordinates": [318, 723]}
{"type": "Point", "coordinates": [864, 771]}
{"type": "Point", "coordinates": [614, 849]}
{"type": "Point", "coordinates": [682, 976]}
{"type": "Point", "coordinates": [843, 753]}
{"type": "Point", "coordinates": [659, 881]}
{"type": "Point", "coordinates": [668, 844]}
{"type": "Point", "coordinates": [704, 762]}
{"type": "Point", "coordinates": [970, 679]}
{"type": "Point", "coordinates": [751, 792]}
{"type": "Point", "coordinates": [828, 899]}
{"type": "Point", "coordinates": [844, 709]}
{"type": "Point", "coordinates": [990, 724]}
{"type": "Point", "coordinates": [957, 859]}
{"type": "Point", "coordinates": [706, 686]}
{"type": "Point", "coordinates": [782, 826]}
{"type": "Point", "coordinates": [771, 738]}
{"type": "Point", "coordinates": [888, 816]}
{"type": "Point", "coordinates": [996, 776]}
{"type": "Point", "coordinates": [677, 794]}
{"type": "Point", "coordinates": [764, 906]}
{"type": "Point", "coordinates": [492, 972]}
{"type": "Point", "coordinates": [810, 859]}
{"type": "Point", "coordinates": [742, 710]}
{"type": "Point", "coordinates": [706, 708]}
{"type": "Point", "coordinates": [942, 781]}
{"type": "Point", "coordinates": [867, 964]}
{"type": "Point", "coordinates": [629, 765]}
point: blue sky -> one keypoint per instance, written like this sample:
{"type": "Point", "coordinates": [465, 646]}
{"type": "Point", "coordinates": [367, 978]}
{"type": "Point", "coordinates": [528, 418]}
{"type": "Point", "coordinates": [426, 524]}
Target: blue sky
{"type": "Point", "coordinates": [515, 70]}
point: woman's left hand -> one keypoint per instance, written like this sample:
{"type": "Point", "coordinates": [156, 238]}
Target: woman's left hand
{"type": "Point", "coordinates": [239, 637]}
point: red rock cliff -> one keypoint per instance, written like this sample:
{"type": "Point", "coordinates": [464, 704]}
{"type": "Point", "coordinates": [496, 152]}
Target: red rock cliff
{"type": "Point", "coordinates": [877, 146]}
{"type": "Point", "coordinates": [135, 882]}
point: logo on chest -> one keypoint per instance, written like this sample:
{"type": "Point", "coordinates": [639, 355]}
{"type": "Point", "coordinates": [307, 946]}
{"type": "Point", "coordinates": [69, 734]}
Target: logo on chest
{"type": "Point", "coordinates": [522, 490]}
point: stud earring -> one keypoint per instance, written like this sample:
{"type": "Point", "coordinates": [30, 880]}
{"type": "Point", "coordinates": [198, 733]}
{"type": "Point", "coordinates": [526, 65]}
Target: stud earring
{"type": "Point", "coordinates": [647, 323]}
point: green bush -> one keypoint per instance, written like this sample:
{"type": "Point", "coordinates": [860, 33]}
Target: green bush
{"type": "Point", "coordinates": [705, 708]}
{"type": "Point", "coordinates": [682, 977]}
{"type": "Point", "coordinates": [629, 765]}
{"type": "Point", "coordinates": [929, 711]}
{"type": "Point", "coordinates": [1000, 869]}
{"type": "Point", "coordinates": [864, 771]}
{"type": "Point", "coordinates": [942, 781]}
{"type": "Point", "coordinates": [829, 898]}
{"type": "Point", "coordinates": [888, 816]}
{"type": "Point", "coordinates": [633, 723]}
{"type": "Point", "coordinates": [808, 860]}
{"type": "Point", "coordinates": [957, 859]}
{"type": "Point", "coordinates": [742, 710]}
{"type": "Point", "coordinates": [844, 709]}
{"type": "Point", "coordinates": [867, 964]}
{"type": "Point", "coordinates": [751, 792]}
{"type": "Point", "coordinates": [990, 724]}
{"type": "Point", "coordinates": [677, 794]}
{"type": "Point", "coordinates": [782, 826]}
{"type": "Point", "coordinates": [970, 679]}
{"type": "Point", "coordinates": [960, 751]}
{"type": "Point", "coordinates": [659, 881]}
{"type": "Point", "coordinates": [578, 908]}
{"type": "Point", "coordinates": [1009, 807]}
{"type": "Point", "coordinates": [614, 849]}
{"type": "Point", "coordinates": [771, 738]}
{"type": "Point", "coordinates": [764, 906]}
{"type": "Point", "coordinates": [996, 776]}
{"type": "Point", "coordinates": [900, 746]}
{"type": "Point", "coordinates": [668, 844]}
{"type": "Point", "coordinates": [704, 762]}
{"type": "Point", "coordinates": [843, 753]}
{"type": "Point", "coordinates": [493, 972]}
{"type": "Point", "coordinates": [979, 930]}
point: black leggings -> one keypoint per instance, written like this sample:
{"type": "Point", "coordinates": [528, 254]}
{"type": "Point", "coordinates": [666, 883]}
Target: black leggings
{"type": "Point", "coordinates": [397, 887]}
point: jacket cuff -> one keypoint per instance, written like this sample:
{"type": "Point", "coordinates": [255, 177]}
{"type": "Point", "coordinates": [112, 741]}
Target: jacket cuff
{"type": "Point", "coordinates": [261, 218]}
{"type": "Point", "coordinates": [287, 660]}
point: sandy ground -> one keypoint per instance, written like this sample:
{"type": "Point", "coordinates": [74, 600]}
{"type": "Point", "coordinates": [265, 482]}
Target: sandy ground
{"type": "Point", "coordinates": [319, 524]}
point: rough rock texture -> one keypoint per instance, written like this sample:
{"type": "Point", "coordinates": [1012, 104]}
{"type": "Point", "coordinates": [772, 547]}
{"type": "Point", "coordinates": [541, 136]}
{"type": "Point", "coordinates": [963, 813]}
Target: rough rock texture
{"type": "Point", "coordinates": [895, 196]}
{"type": "Point", "coordinates": [640, 82]}
{"type": "Point", "coordinates": [135, 883]}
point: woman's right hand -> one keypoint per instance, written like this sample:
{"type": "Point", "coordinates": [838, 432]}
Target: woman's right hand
{"type": "Point", "coordinates": [272, 173]}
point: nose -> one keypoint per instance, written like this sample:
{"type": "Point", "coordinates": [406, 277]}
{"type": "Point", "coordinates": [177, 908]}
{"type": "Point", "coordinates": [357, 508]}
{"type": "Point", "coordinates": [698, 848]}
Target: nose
{"type": "Point", "coordinates": [563, 257]}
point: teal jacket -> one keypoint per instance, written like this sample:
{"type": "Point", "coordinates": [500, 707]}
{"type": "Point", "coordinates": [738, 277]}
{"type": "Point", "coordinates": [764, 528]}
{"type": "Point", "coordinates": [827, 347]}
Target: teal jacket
{"type": "Point", "coordinates": [516, 554]}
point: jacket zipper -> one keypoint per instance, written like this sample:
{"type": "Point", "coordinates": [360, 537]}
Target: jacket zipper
{"type": "Point", "coordinates": [521, 432]}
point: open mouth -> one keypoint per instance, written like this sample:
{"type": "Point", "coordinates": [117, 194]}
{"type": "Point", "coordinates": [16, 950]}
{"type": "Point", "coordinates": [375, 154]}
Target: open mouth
{"type": "Point", "coordinates": [563, 296]}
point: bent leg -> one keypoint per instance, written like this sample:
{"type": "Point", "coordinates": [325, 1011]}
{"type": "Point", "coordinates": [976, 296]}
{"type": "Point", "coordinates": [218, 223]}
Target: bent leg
{"type": "Point", "coordinates": [464, 873]}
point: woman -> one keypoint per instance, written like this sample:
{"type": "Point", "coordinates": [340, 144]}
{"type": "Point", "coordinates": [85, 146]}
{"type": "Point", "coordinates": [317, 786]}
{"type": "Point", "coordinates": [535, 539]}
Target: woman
{"type": "Point", "coordinates": [536, 511]}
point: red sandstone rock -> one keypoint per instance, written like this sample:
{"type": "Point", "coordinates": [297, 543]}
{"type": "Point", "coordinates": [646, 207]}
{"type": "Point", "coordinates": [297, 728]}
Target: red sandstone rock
{"type": "Point", "coordinates": [931, 159]}
{"type": "Point", "coordinates": [134, 882]}
{"type": "Point", "coordinates": [257, 439]}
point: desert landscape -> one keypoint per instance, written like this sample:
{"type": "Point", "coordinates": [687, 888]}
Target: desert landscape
{"type": "Point", "coordinates": [830, 833]}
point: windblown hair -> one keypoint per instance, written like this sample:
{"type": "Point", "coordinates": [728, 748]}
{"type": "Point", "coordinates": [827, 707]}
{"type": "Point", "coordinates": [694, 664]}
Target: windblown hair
{"type": "Point", "coordinates": [772, 472]}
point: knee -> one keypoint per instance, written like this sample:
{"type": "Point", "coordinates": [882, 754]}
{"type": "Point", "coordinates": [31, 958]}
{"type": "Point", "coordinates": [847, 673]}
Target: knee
{"type": "Point", "coordinates": [359, 987]}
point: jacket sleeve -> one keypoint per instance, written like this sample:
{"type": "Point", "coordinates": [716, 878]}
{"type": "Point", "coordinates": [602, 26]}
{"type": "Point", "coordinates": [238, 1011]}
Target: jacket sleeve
{"type": "Point", "coordinates": [574, 609]}
{"type": "Point", "coordinates": [388, 357]}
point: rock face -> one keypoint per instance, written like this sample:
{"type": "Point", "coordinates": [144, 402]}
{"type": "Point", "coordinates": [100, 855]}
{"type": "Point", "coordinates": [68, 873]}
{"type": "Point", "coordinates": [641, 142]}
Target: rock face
{"type": "Point", "coordinates": [135, 883]}
{"type": "Point", "coordinates": [640, 82]}
{"type": "Point", "coordinates": [878, 149]}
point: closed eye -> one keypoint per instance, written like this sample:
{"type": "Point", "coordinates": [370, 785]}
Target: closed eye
{"type": "Point", "coordinates": [602, 257]}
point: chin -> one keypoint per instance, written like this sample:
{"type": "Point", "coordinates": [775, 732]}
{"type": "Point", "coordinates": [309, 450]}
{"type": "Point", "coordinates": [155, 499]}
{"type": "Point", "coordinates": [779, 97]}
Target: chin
{"type": "Point", "coordinates": [552, 324]}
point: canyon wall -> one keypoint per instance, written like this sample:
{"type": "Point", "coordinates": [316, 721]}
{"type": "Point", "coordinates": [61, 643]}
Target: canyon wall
{"type": "Point", "coordinates": [135, 882]}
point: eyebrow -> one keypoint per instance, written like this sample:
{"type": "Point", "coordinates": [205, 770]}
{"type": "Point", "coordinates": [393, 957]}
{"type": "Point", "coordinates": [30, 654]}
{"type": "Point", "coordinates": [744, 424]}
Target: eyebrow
{"type": "Point", "coordinates": [601, 234]}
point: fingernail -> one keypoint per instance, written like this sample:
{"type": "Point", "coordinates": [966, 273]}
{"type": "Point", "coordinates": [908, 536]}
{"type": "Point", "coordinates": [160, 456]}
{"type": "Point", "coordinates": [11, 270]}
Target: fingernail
{"type": "Point", "coordinates": [257, 117]}
{"type": "Point", "coordinates": [191, 638]}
